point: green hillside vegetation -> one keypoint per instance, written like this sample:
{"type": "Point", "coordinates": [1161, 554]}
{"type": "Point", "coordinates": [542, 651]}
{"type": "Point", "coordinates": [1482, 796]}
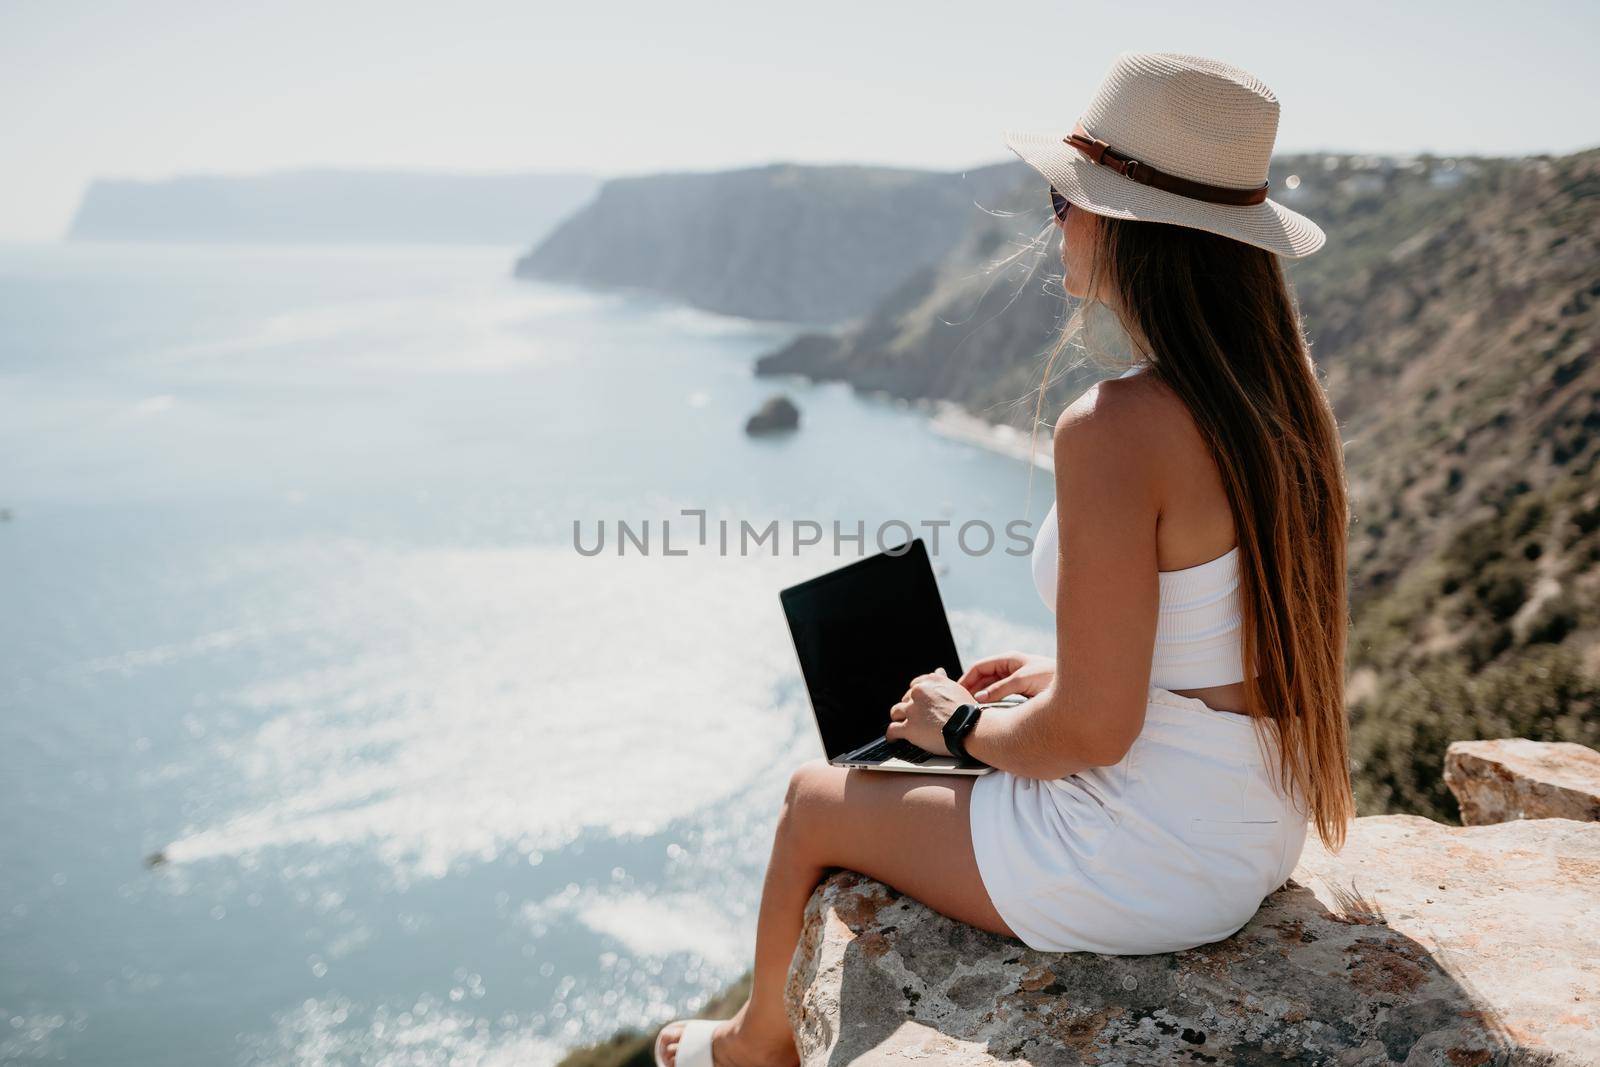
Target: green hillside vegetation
{"type": "Point", "coordinates": [1463, 364]}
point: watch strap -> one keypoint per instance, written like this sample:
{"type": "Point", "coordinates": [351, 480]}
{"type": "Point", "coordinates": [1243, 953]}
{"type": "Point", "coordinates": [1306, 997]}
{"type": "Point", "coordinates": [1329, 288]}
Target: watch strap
{"type": "Point", "coordinates": [958, 726]}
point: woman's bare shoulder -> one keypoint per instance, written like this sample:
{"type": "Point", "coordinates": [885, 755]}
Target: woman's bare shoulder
{"type": "Point", "coordinates": [1139, 417]}
{"type": "Point", "coordinates": [1102, 451]}
{"type": "Point", "coordinates": [1137, 439]}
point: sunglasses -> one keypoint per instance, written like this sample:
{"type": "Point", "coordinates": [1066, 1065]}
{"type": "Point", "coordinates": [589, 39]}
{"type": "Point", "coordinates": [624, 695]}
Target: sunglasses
{"type": "Point", "coordinates": [1059, 205]}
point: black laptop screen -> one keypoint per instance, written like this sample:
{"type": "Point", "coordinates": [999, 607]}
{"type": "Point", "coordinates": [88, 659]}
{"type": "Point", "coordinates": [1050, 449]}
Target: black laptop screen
{"type": "Point", "coordinates": [862, 633]}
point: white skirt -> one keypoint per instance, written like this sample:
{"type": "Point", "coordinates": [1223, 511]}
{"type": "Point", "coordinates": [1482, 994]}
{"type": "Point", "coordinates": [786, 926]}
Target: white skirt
{"type": "Point", "coordinates": [1173, 847]}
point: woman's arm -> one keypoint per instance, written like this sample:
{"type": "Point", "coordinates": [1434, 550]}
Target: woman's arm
{"type": "Point", "coordinates": [1107, 478]}
{"type": "Point", "coordinates": [1108, 505]}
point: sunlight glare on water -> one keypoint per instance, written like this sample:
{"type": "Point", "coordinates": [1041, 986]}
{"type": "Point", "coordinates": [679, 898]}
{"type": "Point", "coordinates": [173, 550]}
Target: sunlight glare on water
{"type": "Point", "coordinates": [384, 746]}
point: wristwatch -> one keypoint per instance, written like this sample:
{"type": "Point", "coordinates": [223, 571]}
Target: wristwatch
{"type": "Point", "coordinates": [956, 729]}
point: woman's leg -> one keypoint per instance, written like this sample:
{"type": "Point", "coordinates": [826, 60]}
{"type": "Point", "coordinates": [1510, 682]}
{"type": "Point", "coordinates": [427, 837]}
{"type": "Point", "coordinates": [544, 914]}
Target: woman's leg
{"type": "Point", "coordinates": [909, 831]}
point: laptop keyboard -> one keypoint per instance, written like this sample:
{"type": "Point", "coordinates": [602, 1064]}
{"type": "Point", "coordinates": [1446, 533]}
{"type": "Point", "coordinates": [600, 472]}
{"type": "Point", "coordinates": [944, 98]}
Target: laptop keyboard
{"type": "Point", "coordinates": [885, 749]}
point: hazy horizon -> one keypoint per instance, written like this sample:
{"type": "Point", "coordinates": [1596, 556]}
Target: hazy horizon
{"type": "Point", "coordinates": [179, 89]}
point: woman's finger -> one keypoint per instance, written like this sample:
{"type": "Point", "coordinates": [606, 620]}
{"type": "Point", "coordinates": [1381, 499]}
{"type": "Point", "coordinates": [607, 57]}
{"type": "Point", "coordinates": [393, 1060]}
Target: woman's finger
{"type": "Point", "coordinates": [1011, 683]}
{"type": "Point", "coordinates": [990, 668]}
{"type": "Point", "coordinates": [976, 675]}
{"type": "Point", "coordinates": [982, 675]}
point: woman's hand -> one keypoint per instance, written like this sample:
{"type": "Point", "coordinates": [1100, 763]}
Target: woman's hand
{"type": "Point", "coordinates": [1010, 672]}
{"type": "Point", "coordinates": [922, 712]}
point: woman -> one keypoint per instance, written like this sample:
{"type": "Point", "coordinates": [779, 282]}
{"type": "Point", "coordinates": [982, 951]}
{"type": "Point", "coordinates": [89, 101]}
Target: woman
{"type": "Point", "coordinates": [1150, 791]}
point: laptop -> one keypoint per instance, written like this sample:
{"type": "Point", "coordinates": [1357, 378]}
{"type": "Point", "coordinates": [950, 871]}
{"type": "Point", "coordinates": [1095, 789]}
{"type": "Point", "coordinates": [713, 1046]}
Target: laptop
{"type": "Point", "coordinates": [862, 633]}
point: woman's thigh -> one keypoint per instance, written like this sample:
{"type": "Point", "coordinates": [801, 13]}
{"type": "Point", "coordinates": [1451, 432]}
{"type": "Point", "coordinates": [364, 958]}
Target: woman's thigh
{"type": "Point", "coordinates": [909, 831]}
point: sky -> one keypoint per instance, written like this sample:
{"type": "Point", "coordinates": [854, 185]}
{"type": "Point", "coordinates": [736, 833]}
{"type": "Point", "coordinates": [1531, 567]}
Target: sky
{"type": "Point", "coordinates": [153, 89]}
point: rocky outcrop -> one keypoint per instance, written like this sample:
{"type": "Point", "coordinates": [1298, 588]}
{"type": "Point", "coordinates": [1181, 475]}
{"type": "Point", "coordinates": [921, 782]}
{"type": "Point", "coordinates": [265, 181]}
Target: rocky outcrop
{"type": "Point", "coordinates": [1514, 778]}
{"type": "Point", "coordinates": [1419, 944]}
{"type": "Point", "coordinates": [777, 415]}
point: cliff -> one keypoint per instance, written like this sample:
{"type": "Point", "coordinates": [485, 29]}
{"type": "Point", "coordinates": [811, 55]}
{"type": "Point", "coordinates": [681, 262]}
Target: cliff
{"type": "Point", "coordinates": [330, 207]}
{"type": "Point", "coordinates": [786, 242]}
{"type": "Point", "coordinates": [971, 328]}
{"type": "Point", "coordinates": [1418, 944]}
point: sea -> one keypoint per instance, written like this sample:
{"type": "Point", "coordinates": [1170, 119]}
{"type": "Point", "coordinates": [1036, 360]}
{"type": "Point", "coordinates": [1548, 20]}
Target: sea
{"type": "Point", "coordinates": [327, 735]}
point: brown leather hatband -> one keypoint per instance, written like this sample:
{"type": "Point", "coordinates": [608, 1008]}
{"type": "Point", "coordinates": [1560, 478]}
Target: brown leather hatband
{"type": "Point", "coordinates": [1143, 173]}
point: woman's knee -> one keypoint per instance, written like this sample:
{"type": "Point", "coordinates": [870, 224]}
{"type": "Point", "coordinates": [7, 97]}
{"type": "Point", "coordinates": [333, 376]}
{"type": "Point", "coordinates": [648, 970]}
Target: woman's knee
{"type": "Point", "coordinates": [814, 787]}
{"type": "Point", "coordinates": [811, 781]}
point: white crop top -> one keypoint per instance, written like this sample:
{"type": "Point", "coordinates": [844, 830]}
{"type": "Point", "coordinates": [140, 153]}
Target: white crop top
{"type": "Point", "coordinates": [1198, 638]}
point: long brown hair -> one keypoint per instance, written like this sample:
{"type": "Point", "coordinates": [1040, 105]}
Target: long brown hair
{"type": "Point", "coordinates": [1216, 321]}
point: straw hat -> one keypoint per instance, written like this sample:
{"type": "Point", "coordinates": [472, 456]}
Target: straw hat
{"type": "Point", "coordinates": [1177, 139]}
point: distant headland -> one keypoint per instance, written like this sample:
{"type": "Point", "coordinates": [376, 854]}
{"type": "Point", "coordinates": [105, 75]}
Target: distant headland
{"type": "Point", "coordinates": [331, 207]}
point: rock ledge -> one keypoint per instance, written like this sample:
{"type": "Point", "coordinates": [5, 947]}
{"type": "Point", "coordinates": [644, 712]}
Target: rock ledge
{"type": "Point", "coordinates": [1514, 778]}
{"type": "Point", "coordinates": [1418, 944]}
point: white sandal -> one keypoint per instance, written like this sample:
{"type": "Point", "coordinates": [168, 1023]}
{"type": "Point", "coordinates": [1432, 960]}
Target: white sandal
{"type": "Point", "coordinates": [694, 1044]}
